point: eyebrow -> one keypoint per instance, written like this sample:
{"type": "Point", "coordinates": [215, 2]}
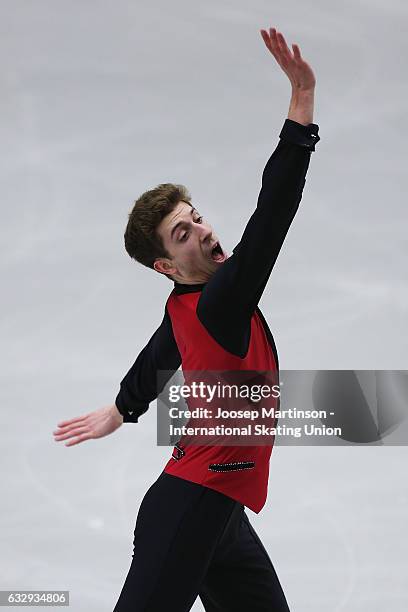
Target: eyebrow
{"type": "Point", "coordinates": [193, 210]}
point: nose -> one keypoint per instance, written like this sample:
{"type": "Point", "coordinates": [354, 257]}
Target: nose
{"type": "Point", "coordinates": [206, 232]}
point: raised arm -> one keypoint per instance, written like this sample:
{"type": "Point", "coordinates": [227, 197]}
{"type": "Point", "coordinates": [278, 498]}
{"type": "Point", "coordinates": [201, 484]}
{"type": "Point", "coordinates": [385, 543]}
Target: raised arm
{"type": "Point", "coordinates": [237, 286]}
{"type": "Point", "coordinates": [283, 180]}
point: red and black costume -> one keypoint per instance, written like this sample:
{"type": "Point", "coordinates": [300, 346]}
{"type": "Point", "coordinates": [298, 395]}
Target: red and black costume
{"type": "Point", "coordinates": [213, 326]}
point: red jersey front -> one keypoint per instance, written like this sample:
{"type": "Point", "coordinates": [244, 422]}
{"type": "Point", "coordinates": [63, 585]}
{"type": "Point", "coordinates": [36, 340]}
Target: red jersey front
{"type": "Point", "coordinates": [245, 478]}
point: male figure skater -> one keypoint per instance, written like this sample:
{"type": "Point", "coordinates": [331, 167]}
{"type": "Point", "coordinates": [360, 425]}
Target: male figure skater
{"type": "Point", "coordinates": [192, 536]}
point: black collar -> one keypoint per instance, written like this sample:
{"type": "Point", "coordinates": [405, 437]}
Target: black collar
{"type": "Point", "coordinates": [180, 288]}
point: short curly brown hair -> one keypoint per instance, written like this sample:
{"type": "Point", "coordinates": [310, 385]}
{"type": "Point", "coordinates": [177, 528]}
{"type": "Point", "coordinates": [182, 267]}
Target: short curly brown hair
{"type": "Point", "coordinates": [142, 242]}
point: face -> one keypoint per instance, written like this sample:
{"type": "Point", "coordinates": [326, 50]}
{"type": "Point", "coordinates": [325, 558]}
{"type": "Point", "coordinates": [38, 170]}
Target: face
{"type": "Point", "coordinates": [190, 241]}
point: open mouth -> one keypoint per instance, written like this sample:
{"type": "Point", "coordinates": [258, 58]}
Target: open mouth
{"type": "Point", "coordinates": [217, 254]}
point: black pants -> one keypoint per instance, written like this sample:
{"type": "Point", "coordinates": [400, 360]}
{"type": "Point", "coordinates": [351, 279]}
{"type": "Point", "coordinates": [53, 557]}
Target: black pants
{"type": "Point", "coordinates": [192, 541]}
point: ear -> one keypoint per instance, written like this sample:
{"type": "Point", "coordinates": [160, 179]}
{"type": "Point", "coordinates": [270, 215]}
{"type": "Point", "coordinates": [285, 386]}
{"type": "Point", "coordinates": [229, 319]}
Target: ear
{"type": "Point", "coordinates": [164, 266]}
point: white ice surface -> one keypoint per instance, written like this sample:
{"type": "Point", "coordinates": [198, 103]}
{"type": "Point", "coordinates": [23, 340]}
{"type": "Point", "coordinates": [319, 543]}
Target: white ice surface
{"type": "Point", "coordinates": [101, 101]}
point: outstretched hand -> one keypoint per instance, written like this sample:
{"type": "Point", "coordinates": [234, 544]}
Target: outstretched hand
{"type": "Point", "coordinates": [298, 71]}
{"type": "Point", "coordinates": [95, 424]}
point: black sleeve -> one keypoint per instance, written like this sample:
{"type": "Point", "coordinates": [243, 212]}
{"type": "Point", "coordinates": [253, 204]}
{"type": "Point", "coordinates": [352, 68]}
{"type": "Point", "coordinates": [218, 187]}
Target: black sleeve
{"type": "Point", "coordinates": [141, 386]}
{"type": "Point", "coordinates": [233, 292]}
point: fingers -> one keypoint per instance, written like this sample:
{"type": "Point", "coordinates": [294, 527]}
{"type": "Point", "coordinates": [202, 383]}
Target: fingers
{"type": "Point", "coordinates": [68, 433]}
{"type": "Point", "coordinates": [271, 41]}
{"type": "Point", "coordinates": [77, 435]}
{"type": "Point", "coordinates": [276, 43]}
{"type": "Point", "coordinates": [283, 46]}
{"type": "Point", "coordinates": [296, 53]}
{"type": "Point", "coordinates": [74, 420]}
{"type": "Point", "coordinates": [77, 428]}
{"type": "Point", "coordinates": [81, 438]}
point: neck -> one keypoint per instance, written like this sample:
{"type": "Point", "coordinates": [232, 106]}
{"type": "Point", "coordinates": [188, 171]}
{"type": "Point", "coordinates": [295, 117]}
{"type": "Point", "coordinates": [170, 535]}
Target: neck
{"type": "Point", "coordinates": [179, 281]}
{"type": "Point", "coordinates": [197, 280]}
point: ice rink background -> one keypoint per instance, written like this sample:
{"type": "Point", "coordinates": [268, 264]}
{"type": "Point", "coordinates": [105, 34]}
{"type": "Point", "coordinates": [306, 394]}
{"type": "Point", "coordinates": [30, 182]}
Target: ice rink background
{"type": "Point", "coordinates": [101, 101]}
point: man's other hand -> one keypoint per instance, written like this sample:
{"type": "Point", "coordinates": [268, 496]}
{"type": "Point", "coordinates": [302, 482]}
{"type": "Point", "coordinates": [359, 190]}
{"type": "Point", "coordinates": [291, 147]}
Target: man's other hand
{"type": "Point", "coordinates": [95, 424]}
{"type": "Point", "coordinates": [298, 71]}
